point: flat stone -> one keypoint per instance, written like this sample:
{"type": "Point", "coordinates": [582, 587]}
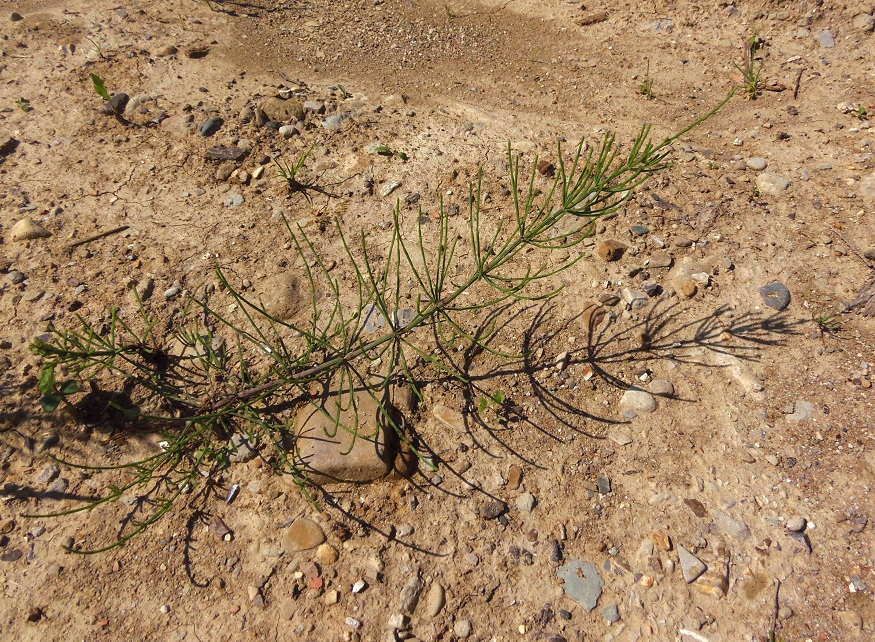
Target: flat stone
{"type": "Point", "coordinates": [633, 298]}
{"type": "Point", "coordinates": [582, 583]}
{"type": "Point", "coordinates": [409, 597]}
{"type": "Point", "coordinates": [715, 581]}
{"type": "Point", "coordinates": [222, 153]}
{"type": "Point", "coordinates": [462, 629]}
{"type": "Point", "coordinates": [638, 400]}
{"type": "Point", "coordinates": [662, 388]}
{"type": "Point", "coordinates": [732, 527]}
{"type": "Point", "coordinates": [639, 230]}
{"type": "Point", "coordinates": [691, 566]}
{"type": "Point", "coordinates": [178, 126]}
{"type": "Point", "coordinates": [435, 599]}
{"type": "Point", "coordinates": [619, 437]}
{"type": "Point", "coordinates": [604, 484]}
{"type": "Point", "coordinates": [756, 163]}
{"type": "Point", "coordinates": [525, 502]}
{"type": "Point", "coordinates": [611, 613]}
{"type": "Point", "coordinates": [802, 410]}
{"type": "Point", "coordinates": [768, 183]}
{"type": "Point", "coordinates": [283, 111]}
{"type": "Point", "coordinates": [335, 122]}
{"type": "Point", "coordinates": [660, 260]}
{"type": "Point", "coordinates": [360, 448]}
{"type": "Point", "coordinates": [697, 507]}
{"type": "Point", "coordinates": [826, 40]}
{"type": "Point", "coordinates": [48, 474]}
{"type": "Point", "coordinates": [27, 230]}
{"type": "Point", "coordinates": [302, 535]}
{"type": "Point", "coordinates": [280, 295]}
{"type": "Point", "coordinates": [514, 477]}
{"type": "Point", "coordinates": [449, 417]}
{"type": "Point", "coordinates": [611, 250]}
{"type": "Point", "coordinates": [796, 524]}
{"type": "Point", "coordinates": [775, 295]}
{"type": "Point", "coordinates": [493, 509]}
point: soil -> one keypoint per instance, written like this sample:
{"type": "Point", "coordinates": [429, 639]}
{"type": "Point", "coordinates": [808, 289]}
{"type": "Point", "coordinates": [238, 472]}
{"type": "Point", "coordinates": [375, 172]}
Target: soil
{"type": "Point", "coordinates": [770, 418]}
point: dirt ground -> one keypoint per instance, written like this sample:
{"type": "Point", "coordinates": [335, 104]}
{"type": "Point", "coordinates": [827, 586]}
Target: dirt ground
{"type": "Point", "coordinates": [770, 419]}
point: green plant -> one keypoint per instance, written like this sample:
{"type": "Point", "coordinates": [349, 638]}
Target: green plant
{"type": "Point", "coordinates": [96, 47]}
{"type": "Point", "coordinates": [862, 113]}
{"type": "Point", "coordinates": [646, 87]}
{"type": "Point", "coordinates": [826, 322]}
{"type": "Point", "coordinates": [290, 172]}
{"type": "Point", "coordinates": [383, 150]}
{"type": "Point", "coordinates": [493, 404]}
{"type": "Point", "coordinates": [344, 94]}
{"type": "Point", "coordinates": [99, 87]}
{"type": "Point", "coordinates": [23, 103]}
{"type": "Point", "coordinates": [239, 369]}
{"type": "Point", "coordinates": [752, 81]}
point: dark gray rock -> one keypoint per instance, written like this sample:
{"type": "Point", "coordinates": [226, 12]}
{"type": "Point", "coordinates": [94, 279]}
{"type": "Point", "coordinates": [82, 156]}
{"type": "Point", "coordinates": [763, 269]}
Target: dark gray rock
{"type": "Point", "coordinates": [211, 125]}
{"type": "Point", "coordinates": [775, 295]}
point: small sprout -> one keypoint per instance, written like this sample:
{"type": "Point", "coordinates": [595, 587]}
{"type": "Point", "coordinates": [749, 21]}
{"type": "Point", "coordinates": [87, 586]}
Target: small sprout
{"type": "Point", "coordinates": [24, 103]}
{"type": "Point", "coordinates": [99, 87]}
{"type": "Point", "coordinates": [384, 150]}
{"type": "Point", "coordinates": [344, 94]}
{"type": "Point", "coordinates": [646, 87]}
{"type": "Point", "coordinates": [752, 82]}
{"type": "Point", "coordinates": [97, 48]}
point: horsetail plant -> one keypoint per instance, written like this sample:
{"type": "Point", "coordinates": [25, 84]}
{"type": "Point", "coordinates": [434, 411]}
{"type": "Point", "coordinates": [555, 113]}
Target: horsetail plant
{"type": "Point", "coordinates": [358, 338]}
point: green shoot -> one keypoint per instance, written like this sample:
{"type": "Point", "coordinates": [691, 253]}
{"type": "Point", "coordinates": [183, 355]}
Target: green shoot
{"type": "Point", "coordinates": [100, 87]}
{"type": "Point", "coordinates": [646, 87]}
{"type": "Point", "coordinates": [23, 103]}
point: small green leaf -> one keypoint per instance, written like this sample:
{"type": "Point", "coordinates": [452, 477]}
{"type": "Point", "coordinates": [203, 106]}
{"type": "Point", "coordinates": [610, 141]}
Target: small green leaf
{"type": "Point", "coordinates": [99, 87]}
{"type": "Point", "coordinates": [499, 397]}
{"type": "Point", "coordinates": [50, 402]}
{"type": "Point", "coordinates": [47, 379]}
{"type": "Point", "coordinates": [402, 156]}
{"type": "Point", "coordinates": [23, 103]}
{"type": "Point", "coordinates": [484, 404]}
{"type": "Point", "coordinates": [70, 387]}
{"type": "Point", "coordinates": [382, 150]}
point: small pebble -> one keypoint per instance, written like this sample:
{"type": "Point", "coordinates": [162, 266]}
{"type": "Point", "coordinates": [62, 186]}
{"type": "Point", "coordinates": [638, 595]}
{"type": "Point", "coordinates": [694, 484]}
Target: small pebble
{"type": "Point", "coordinates": [462, 628]}
{"type": "Point", "coordinates": [796, 524]}
{"type": "Point", "coordinates": [756, 163]}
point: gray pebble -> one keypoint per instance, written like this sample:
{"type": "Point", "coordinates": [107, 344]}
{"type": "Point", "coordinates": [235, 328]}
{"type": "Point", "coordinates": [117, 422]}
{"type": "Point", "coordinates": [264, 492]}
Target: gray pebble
{"type": "Point", "coordinates": [604, 484]}
{"type": "Point", "coordinates": [173, 291]}
{"type": "Point", "coordinates": [288, 131]}
{"type": "Point", "coordinates": [691, 566]}
{"type": "Point", "coordinates": [315, 106]}
{"type": "Point", "coordinates": [472, 559]}
{"type": "Point", "coordinates": [234, 200]}
{"type": "Point", "coordinates": [611, 613]}
{"type": "Point", "coordinates": [410, 595]}
{"type": "Point", "coordinates": [826, 40]}
{"type": "Point", "coordinates": [116, 104]}
{"type": "Point", "coordinates": [49, 473]}
{"type": "Point", "coordinates": [583, 584]}
{"type": "Point", "coordinates": [58, 487]}
{"type": "Point", "coordinates": [775, 295]}
{"type": "Point", "coordinates": [525, 502]}
{"type": "Point", "coordinates": [756, 163]}
{"type": "Point", "coordinates": [462, 628]}
{"type": "Point", "coordinates": [662, 388]}
{"type": "Point", "coordinates": [336, 121]}
{"type": "Point", "coordinates": [768, 183]}
{"type": "Point", "coordinates": [16, 277]}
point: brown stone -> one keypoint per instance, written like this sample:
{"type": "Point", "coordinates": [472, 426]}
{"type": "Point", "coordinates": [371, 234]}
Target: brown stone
{"type": "Point", "coordinates": [715, 580]}
{"type": "Point", "coordinates": [611, 250]}
{"type": "Point", "coordinates": [514, 477]}
{"type": "Point", "coordinates": [661, 539]}
{"type": "Point", "coordinates": [302, 535]}
{"type": "Point", "coordinates": [27, 230]}
{"type": "Point", "coordinates": [360, 447]}
{"type": "Point", "coordinates": [283, 111]}
{"type": "Point", "coordinates": [688, 289]}
{"type": "Point", "coordinates": [280, 295]}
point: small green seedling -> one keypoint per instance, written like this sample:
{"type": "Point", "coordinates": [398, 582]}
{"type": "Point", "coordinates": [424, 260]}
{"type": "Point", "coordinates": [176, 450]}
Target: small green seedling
{"type": "Point", "coordinates": [24, 103]}
{"type": "Point", "coordinates": [344, 94]}
{"type": "Point", "coordinates": [449, 11]}
{"type": "Point", "coordinates": [100, 87]}
{"type": "Point", "coordinates": [52, 393]}
{"type": "Point", "coordinates": [752, 82]}
{"type": "Point", "coordinates": [383, 150]}
{"type": "Point", "coordinates": [493, 404]}
{"type": "Point", "coordinates": [827, 322]}
{"type": "Point", "coordinates": [646, 87]}
{"type": "Point", "coordinates": [861, 113]}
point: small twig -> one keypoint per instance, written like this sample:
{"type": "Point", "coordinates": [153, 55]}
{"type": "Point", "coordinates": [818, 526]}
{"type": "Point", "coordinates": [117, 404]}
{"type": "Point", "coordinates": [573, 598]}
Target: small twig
{"type": "Point", "coordinates": [775, 612]}
{"type": "Point", "coordinates": [694, 635]}
{"type": "Point", "coordinates": [796, 84]}
{"type": "Point", "coordinates": [97, 237]}
{"type": "Point", "coordinates": [853, 249]}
